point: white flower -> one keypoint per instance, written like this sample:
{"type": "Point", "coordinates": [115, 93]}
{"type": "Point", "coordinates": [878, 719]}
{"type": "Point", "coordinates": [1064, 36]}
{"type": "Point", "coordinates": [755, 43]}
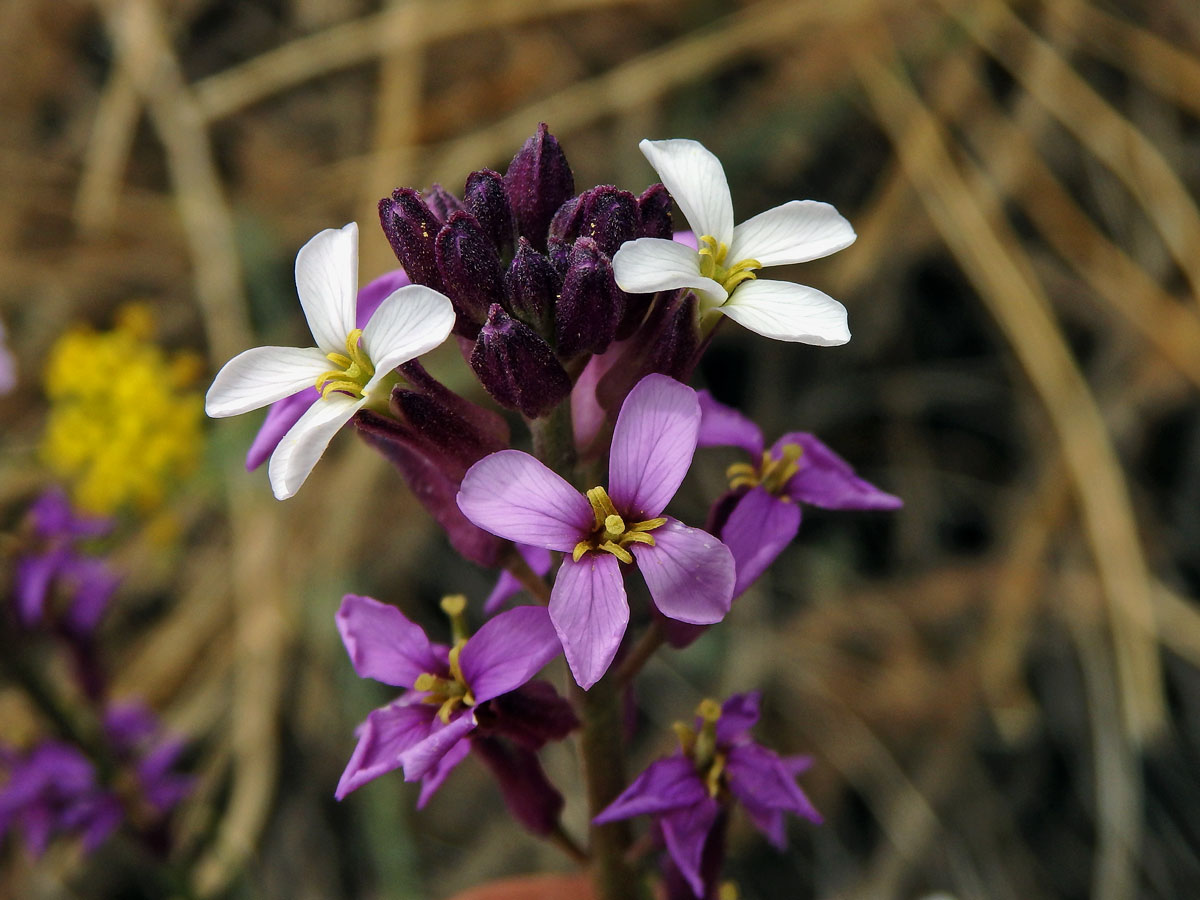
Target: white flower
{"type": "Point", "coordinates": [351, 367]}
{"type": "Point", "coordinates": [722, 272]}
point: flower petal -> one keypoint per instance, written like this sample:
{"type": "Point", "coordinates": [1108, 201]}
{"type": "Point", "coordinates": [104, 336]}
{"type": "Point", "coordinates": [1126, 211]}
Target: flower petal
{"type": "Point", "coordinates": [421, 759]}
{"type": "Point", "coordinates": [648, 265]}
{"type": "Point", "coordinates": [508, 650]}
{"type": "Point", "coordinates": [689, 572]}
{"type": "Point", "coordinates": [760, 779]}
{"type": "Point", "coordinates": [697, 182]}
{"type": "Point", "coordinates": [652, 446]}
{"type": "Point", "coordinates": [431, 782]}
{"type": "Point", "coordinates": [386, 733]}
{"type": "Point", "coordinates": [282, 415]}
{"type": "Point", "coordinates": [796, 232]}
{"type": "Point", "coordinates": [724, 426]}
{"type": "Point", "coordinates": [828, 481]}
{"type": "Point", "coordinates": [738, 715]}
{"type": "Point", "coordinates": [384, 645]}
{"type": "Point", "coordinates": [590, 612]}
{"type": "Point", "coordinates": [262, 375]}
{"type": "Point", "coordinates": [667, 784]}
{"type": "Point", "coordinates": [685, 832]}
{"type": "Point", "coordinates": [756, 532]}
{"type": "Point", "coordinates": [301, 447]}
{"type": "Point", "coordinates": [788, 312]}
{"type": "Point", "coordinates": [327, 283]}
{"type": "Point", "coordinates": [507, 585]}
{"type": "Point", "coordinates": [375, 292]}
{"type": "Point", "coordinates": [511, 494]}
{"type": "Point", "coordinates": [412, 321]}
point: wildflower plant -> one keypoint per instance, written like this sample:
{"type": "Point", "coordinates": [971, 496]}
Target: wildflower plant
{"type": "Point", "coordinates": [583, 315]}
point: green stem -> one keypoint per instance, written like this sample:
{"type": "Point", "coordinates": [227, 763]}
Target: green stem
{"type": "Point", "coordinates": [554, 439]}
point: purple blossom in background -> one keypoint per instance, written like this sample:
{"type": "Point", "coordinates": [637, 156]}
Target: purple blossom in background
{"type": "Point", "coordinates": [718, 763]}
{"type": "Point", "coordinates": [87, 582]}
{"type": "Point", "coordinates": [690, 573]}
{"type": "Point", "coordinates": [479, 689]}
{"type": "Point", "coordinates": [508, 586]}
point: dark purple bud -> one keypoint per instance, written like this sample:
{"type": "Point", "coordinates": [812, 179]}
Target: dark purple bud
{"type": "Point", "coordinates": [517, 367]}
{"type": "Point", "coordinates": [470, 270]}
{"type": "Point", "coordinates": [486, 199]}
{"type": "Point", "coordinates": [564, 227]}
{"type": "Point", "coordinates": [559, 254]}
{"type": "Point", "coordinates": [654, 213]}
{"type": "Point", "coordinates": [533, 287]}
{"type": "Point", "coordinates": [591, 304]}
{"type": "Point", "coordinates": [412, 229]}
{"type": "Point", "coordinates": [533, 715]}
{"type": "Point", "coordinates": [606, 214]}
{"type": "Point", "coordinates": [441, 203]}
{"type": "Point", "coordinates": [538, 181]}
{"type": "Point", "coordinates": [528, 793]}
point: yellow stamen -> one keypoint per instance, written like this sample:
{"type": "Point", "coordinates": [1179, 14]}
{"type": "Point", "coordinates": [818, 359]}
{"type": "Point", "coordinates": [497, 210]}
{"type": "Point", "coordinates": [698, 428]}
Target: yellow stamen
{"type": "Point", "coordinates": [712, 264]}
{"type": "Point", "coordinates": [611, 533]}
{"type": "Point", "coordinates": [455, 607]}
{"type": "Point", "coordinates": [773, 474]}
{"type": "Point", "coordinates": [354, 369]}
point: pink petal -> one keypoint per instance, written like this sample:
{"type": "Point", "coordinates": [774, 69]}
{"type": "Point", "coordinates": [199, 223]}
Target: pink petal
{"type": "Point", "coordinates": [422, 758]}
{"type": "Point", "coordinates": [507, 651]}
{"type": "Point", "coordinates": [761, 780]}
{"type": "Point", "coordinates": [512, 495]}
{"type": "Point", "coordinates": [667, 784]}
{"type": "Point", "coordinates": [385, 734]}
{"type": "Point", "coordinates": [738, 715]}
{"type": "Point", "coordinates": [384, 645]}
{"type": "Point", "coordinates": [652, 447]}
{"type": "Point", "coordinates": [689, 572]}
{"type": "Point", "coordinates": [685, 832]}
{"type": "Point", "coordinates": [590, 612]}
{"type": "Point", "coordinates": [756, 532]}
{"type": "Point", "coordinates": [431, 782]}
{"type": "Point", "coordinates": [587, 415]}
{"type": "Point", "coordinates": [828, 481]}
{"type": "Point", "coordinates": [281, 416]}
{"type": "Point", "coordinates": [724, 426]}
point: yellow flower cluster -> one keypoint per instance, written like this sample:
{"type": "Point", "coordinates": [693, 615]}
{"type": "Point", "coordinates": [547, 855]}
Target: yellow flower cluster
{"type": "Point", "coordinates": [123, 425]}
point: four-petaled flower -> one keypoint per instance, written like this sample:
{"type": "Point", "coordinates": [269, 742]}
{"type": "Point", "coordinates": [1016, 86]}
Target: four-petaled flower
{"type": "Point", "coordinates": [689, 572]}
{"type": "Point", "coordinates": [412, 321]}
{"type": "Point", "coordinates": [717, 763]}
{"type": "Point", "coordinates": [723, 271]}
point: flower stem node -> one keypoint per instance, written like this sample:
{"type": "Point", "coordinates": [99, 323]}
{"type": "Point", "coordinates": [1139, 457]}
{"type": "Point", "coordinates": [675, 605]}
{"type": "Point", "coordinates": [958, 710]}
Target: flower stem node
{"type": "Point", "coordinates": [773, 474]}
{"type": "Point", "coordinates": [611, 534]}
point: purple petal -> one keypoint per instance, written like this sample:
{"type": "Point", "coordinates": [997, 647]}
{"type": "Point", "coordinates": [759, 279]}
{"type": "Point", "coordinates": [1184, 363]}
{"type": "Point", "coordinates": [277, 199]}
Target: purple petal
{"type": "Point", "coordinates": [514, 496]}
{"type": "Point", "coordinates": [652, 446]}
{"type": "Point", "coordinates": [587, 414]}
{"type": "Point", "coordinates": [685, 832]}
{"type": "Point", "coordinates": [689, 572]}
{"type": "Point", "coordinates": [281, 416]}
{"type": "Point", "coordinates": [590, 612]}
{"type": "Point", "coordinates": [375, 292]}
{"type": "Point", "coordinates": [102, 821]}
{"type": "Point", "coordinates": [431, 782]}
{"type": "Point", "coordinates": [533, 715]}
{"type": "Point", "coordinates": [53, 516]}
{"type": "Point", "coordinates": [738, 715]}
{"type": "Point", "coordinates": [382, 738]}
{"type": "Point", "coordinates": [756, 532]}
{"type": "Point", "coordinates": [34, 577]}
{"type": "Point", "coordinates": [530, 797]}
{"type": "Point", "coordinates": [422, 758]}
{"type": "Point", "coordinates": [828, 481]}
{"type": "Point", "coordinates": [507, 585]}
{"type": "Point", "coordinates": [771, 823]}
{"type": "Point", "coordinates": [665, 785]}
{"type": "Point", "coordinates": [724, 426]}
{"type": "Point", "coordinates": [383, 644]}
{"type": "Point", "coordinates": [762, 781]}
{"type": "Point", "coordinates": [507, 651]}
{"type": "Point", "coordinates": [94, 584]}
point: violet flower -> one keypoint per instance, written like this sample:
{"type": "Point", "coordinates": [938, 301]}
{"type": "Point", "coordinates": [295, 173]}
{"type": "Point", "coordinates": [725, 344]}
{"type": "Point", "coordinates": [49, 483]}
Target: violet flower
{"type": "Point", "coordinates": [689, 572]}
{"type": "Point", "coordinates": [760, 515]}
{"type": "Point", "coordinates": [717, 763]}
{"type": "Point", "coordinates": [452, 691]}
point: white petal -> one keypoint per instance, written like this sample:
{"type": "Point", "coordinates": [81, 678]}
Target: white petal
{"type": "Point", "coordinates": [327, 282]}
{"type": "Point", "coordinates": [697, 182]}
{"type": "Point", "coordinates": [798, 231]}
{"type": "Point", "coordinates": [788, 312]}
{"type": "Point", "coordinates": [411, 321]}
{"type": "Point", "coordinates": [301, 447]}
{"type": "Point", "coordinates": [655, 264]}
{"type": "Point", "coordinates": [260, 376]}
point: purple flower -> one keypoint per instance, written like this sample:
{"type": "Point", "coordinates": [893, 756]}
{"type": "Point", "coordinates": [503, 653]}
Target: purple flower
{"type": "Point", "coordinates": [139, 741]}
{"type": "Point", "coordinates": [689, 572]}
{"type": "Point", "coordinates": [717, 763]}
{"type": "Point", "coordinates": [760, 515]}
{"type": "Point", "coordinates": [452, 691]}
{"type": "Point", "coordinates": [8, 366]}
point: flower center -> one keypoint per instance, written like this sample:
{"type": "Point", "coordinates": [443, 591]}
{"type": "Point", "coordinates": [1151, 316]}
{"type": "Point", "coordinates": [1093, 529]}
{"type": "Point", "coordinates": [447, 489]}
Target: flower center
{"type": "Point", "coordinates": [354, 369]}
{"type": "Point", "coordinates": [449, 693]}
{"type": "Point", "coordinates": [700, 746]}
{"type": "Point", "coordinates": [772, 474]}
{"type": "Point", "coordinates": [611, 533]}
{"type": "Point", "coordinates": [712, 264]}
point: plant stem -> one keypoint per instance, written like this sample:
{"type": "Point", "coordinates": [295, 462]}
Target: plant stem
{"type": "Point", "coordinates": [652, 638]}
{"type": "Point", "coordinates": [554, 439]}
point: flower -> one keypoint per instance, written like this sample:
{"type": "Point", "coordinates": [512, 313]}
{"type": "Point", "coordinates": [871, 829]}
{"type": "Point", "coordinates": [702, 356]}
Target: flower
{"type": "Point", "coordinates": [718, 762]}
{"type": "Point", "coordinates": [723, 271]}
{"type": "Point", "coordinates": [760, 515]}
{"type": "Point", "coordinates": [689, 572]}
{"type": "Point", "coordinates": [452, 691]}
{"type": "Point", "coordinates": [412, 321]}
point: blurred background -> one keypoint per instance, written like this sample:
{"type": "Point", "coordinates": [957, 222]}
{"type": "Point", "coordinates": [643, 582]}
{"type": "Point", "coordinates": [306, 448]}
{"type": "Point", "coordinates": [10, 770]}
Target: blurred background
{"type": "Point", "coordinates": [998, 682]}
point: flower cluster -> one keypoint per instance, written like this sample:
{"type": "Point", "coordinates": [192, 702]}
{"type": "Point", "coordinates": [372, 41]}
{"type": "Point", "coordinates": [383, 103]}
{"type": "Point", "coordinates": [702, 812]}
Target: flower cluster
{"type": "Point", "coordinates": [585, 313]}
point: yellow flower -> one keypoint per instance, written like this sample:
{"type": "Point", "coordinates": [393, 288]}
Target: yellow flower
{"type": "Point", "coordinates": [123, 425]}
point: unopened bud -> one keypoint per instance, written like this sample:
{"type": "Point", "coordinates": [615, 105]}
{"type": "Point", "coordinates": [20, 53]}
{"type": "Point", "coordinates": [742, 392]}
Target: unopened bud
{"type": "Point", "coordinates": [654, 212]}
{"type": "Point", "coordinates": [606, 214]}
{"type": "Point", "coordinates": [517, 367]}
{"type": "Point", "coordinates": [533, 286]}
{"type": "Point", "coordinates": [486, 199]}
{"type": "Point", "coordinates": [538, 182]}
{"type": "Point", "coordinates": [591, 304]}
{"type": "Point", "coordinates": [412, 229]}
{"type": "Point", "coordinates": [441, 202]}
{"type": "Point", "coordinates": [470, 270]}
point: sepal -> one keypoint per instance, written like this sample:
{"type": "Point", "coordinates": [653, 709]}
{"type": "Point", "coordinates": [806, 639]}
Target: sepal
{"type": "Point", "coordinates": [538, 181]}
{"type": "Point", "coordinates": [411, 228]}
{"type": "Point", "coordinates": [591, 304]}
{"type": "Point", "coordinates": [517, 367]}
{"type": "Point", "coordinates": [470, 269]}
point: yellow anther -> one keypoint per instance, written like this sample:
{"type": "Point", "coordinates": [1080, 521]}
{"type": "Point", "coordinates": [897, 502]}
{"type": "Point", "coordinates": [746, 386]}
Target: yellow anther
{"type": "Point", "coordinates": [611, 533]}
{"type": "Point", "coordinates": [354, 369]}
{"type": "Point", "coordinates": [712, 264]}
{"type": "Point", "coordinates": [728, 891]}
{"type": "Point", "coordinates": [447, 693]}
{"type": "Point", "coordinates": [617, 550]}
{"type": "Point", "coordinates": [709, 710]}
{"type": "Point", "coordinates": [614, 525]}
{"type": "Point", "coordinates": [713, 779]}
{"type": "Point", "coordinates": [773, 474]}
{"type": "Point", "coordinates": [455, 607]}
{"type": "Point", "coordinates": [686, 735]}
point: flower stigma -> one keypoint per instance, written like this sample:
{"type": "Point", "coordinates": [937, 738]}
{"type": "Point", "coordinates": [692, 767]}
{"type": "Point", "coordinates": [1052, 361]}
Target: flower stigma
{"type": "Point", "coordinates": [354, 369]}
{"type": "Point", "coordinates": [772, 474]}
{"type": "Point", "coordinates": [712, 264]}
{"type": "Point", "coordinates": [611, 533]}
{"type": "Point", "coordinates": [450, 693]}
{"type": "Point", "coordinates": [701, 746]}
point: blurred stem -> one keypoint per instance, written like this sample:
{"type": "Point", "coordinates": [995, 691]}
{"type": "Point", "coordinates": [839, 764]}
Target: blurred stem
{"type": "Point", "coordinates": [652, 638]}
{"type": "Point", "coordinates": [554, 439]}
{"type": "Point", "coordinates": [516, 566]}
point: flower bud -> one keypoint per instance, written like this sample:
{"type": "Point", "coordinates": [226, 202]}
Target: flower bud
{"type": "Point", "coordinates": [590, 305]}
{"type": "Point", "coordinates": [411, 229]}
{"type": "Point", "coordinates": [538, 182]}
{"type": "Point", "coordinates": [441, 202]}
{"type": "Point", "coordinates": [517, 367]}
{"type": "Point", "coordinates": [606, 214]}
{"type": "Point", "coordinates": [470, 269]}
{"type": "Point", "coordinates": [533, 286]}
{"type": "Point", "coordinates": [654, 213]}
{"type": "Point", "coordinates": [486, 199]}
